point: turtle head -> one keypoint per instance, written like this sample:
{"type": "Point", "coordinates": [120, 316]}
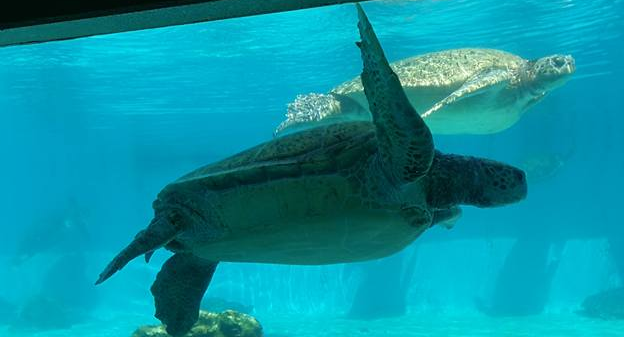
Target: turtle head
{"type": "Point", "coordinates": [456, 180]}
{"type": "Point", "coordinates": [550, 72]}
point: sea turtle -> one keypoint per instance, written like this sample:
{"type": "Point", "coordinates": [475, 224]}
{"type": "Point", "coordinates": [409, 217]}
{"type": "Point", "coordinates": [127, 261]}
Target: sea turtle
{"type": "Point", "coordinates": [340, 193]}
{"type": "Point", "coordinates": [608, 305]}
{"type": "Point", "coordinates": [543, 165]}
{"type": "Point", "coordinates": [58, 231]}
{"type": "Point", "coordinates": [459, 91]}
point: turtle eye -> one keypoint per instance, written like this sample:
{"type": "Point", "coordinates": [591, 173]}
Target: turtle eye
{"type": "Point", "coordinates": [558, 62]}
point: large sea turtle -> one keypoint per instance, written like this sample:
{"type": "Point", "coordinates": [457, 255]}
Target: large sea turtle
{"type": "Point", "coordinates": [339, 193]}
{"type": "Point", "coordinates": [458, 91]}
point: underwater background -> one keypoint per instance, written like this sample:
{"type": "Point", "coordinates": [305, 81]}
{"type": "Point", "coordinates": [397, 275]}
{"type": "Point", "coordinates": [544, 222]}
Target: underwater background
{"type": "Point", "coordinates": [91, 130]}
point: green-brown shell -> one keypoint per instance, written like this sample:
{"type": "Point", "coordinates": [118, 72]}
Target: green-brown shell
{"type": "Point", "coordinates": [443, 69]}
{"type": "Point", "coordinates": [322, 150]}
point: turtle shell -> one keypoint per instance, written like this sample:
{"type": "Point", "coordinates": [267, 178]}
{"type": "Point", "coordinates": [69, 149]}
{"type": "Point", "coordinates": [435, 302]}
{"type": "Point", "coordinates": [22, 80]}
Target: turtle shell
{"type": "Point", "coordinates": [446, 70]}
{"type": "Point", "coordinates": [323, 150]}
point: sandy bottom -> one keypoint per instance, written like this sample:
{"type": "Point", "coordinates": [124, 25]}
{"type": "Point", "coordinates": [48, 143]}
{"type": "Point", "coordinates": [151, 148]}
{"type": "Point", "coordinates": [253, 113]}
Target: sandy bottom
{"type": "Point", "coordinates": [567, 325]}
{"type": "Point", "coordinates": [445, 325]}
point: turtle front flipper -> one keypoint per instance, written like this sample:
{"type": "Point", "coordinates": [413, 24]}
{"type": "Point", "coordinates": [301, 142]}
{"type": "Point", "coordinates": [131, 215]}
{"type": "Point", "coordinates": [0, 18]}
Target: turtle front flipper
{"type": "Point", "coordinates": [178, 290]}
{"type": "Point", "coordinates": [486, 81]}
{"type": "Point", "coordinates": [405, 142]}
{"type": "Point", "coordinates": [157, 234]}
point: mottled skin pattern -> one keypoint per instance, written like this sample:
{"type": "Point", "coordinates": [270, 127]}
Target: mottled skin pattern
{"type": "Point", "coordinates": [337, 193]}
{"type": "Point", "coordinates": [458, 91]}
{"type": "Point", "coordinates": [444, 69]}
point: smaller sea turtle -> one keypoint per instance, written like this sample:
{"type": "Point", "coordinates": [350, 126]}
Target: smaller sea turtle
{"type": "Point", "coordinates": [608, 305]}
{"type": "Point", "coordinates": [459, 91]}
{"type": "Point", "coordinates": [543, 165]}
{"type": "Point", "coordinates": [59, 231]}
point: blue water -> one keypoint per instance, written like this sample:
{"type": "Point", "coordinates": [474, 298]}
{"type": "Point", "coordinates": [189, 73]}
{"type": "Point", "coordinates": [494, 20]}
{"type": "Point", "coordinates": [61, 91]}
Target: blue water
{"type": "Point", "coordinates": [96, 127]}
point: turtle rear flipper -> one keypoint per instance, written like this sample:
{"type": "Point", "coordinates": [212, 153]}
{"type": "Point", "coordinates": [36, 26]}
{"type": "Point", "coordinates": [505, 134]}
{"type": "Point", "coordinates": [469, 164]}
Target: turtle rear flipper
{"type": "Point", "coordinates": [156, 235]}
{"type": "Point", "coordinates": [313, 110]}
{"type": "Point", "coordinates": [178, 290]}
{"type": "Point", "coordinates": [405, 142]}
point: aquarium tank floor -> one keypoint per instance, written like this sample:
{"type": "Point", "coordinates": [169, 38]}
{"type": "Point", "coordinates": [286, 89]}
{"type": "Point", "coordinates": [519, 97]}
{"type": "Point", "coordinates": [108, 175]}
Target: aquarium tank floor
{"type": "Point", "coordinates": [415, 324]}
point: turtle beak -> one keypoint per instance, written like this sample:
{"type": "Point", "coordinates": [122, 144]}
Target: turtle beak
{"type": "Point", "coordinates": [566, 64]}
